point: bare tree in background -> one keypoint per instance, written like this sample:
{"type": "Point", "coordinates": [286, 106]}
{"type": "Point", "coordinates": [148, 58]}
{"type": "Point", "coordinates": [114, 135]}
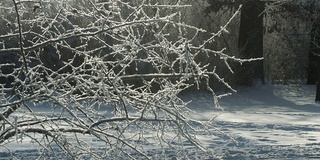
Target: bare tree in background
{"type": "Point", "coordinates": [110, 72]}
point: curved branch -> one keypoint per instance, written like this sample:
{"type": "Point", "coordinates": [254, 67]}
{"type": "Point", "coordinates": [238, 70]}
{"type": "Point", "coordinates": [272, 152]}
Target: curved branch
{"type": "Point", "coordinates": [125, 119]}
{"type": "Point", "coordinates": [20, 36]}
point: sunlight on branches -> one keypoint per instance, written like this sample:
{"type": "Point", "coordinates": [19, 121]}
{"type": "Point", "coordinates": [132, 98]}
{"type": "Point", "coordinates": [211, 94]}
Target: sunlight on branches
{"type": "Point", "coordinates": [110, 72]}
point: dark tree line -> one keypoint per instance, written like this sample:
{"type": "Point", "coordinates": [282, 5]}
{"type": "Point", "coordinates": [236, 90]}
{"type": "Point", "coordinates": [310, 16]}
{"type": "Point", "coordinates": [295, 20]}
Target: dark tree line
{"type": "Point", "coordinates": [251, 31]}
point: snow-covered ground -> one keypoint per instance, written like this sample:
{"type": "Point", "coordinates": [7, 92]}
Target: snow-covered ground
{"type": "Point", "coordinates": [267, 122]}
{"type": "Point", "coordinates": [262, 122]}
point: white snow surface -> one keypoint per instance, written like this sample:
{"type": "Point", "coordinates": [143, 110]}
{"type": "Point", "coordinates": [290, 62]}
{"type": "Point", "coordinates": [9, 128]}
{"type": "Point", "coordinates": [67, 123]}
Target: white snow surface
{"type": "Point", "coordinates": [261, 122]}
{"type": "Point", "coordinates": [266, 121]}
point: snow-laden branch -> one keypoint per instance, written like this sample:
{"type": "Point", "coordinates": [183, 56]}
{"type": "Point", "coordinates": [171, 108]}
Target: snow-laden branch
{"type": "Point", "coordinates": [86, 32]}
{"type": "Point", "coordinates": [111, 71]}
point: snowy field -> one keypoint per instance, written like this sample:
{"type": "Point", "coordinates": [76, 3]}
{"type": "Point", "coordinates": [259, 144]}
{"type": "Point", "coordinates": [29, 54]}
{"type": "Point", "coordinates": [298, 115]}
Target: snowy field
{"type": "Point", "coordinates": [264, 122]}
{"type": "Point", "coordinates": [267, 122]}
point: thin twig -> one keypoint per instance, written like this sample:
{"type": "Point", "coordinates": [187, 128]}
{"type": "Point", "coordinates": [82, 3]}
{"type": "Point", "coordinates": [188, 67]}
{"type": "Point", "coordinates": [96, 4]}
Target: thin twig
{"type": "Point", "coordinates": [20, 36]}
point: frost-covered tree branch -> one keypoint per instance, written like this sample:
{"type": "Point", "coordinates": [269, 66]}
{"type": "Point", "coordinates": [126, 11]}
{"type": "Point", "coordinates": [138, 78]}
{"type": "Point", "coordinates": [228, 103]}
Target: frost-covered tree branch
{"type": "Point", "coordinates": [110, 72]}
{"type": "Point", "coordinates": [20, 36]}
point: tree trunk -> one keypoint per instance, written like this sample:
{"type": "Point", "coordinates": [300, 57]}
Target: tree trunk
{"type": "Point", "coordinates": [251, 42]}
{"type": "Point", "coordinates": [313, 51]}
{"type": "Point", "coordinates": [318, 80]}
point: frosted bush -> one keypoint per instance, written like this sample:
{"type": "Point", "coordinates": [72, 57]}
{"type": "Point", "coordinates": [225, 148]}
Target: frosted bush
{"type": "Point", "coordinates": [110, 73]}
